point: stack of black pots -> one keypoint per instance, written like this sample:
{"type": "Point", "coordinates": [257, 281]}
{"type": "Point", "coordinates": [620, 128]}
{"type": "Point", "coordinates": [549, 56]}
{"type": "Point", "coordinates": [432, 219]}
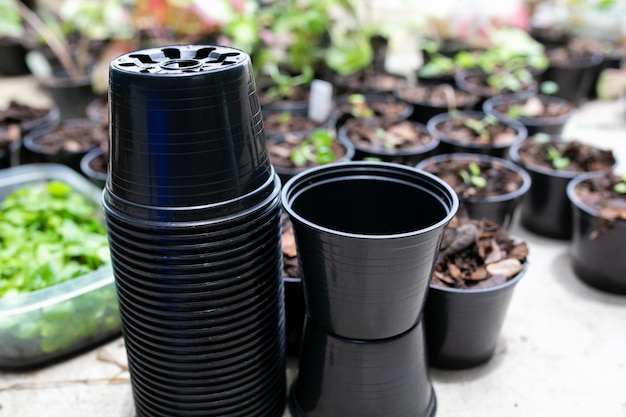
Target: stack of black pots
{"type": "Point", "coordinates": [192, 207]}
{"type": "Point", "coordinates": [367, 235]}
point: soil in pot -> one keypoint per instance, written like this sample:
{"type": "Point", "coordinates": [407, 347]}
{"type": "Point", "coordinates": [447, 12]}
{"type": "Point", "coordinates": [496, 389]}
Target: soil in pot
{"type": "Point", "coordinates": [488, 187]}
{"type": "Point", "coordinates": [367, 81]}
{"type": "Point", "coordinates": [486, 85]}
{"type": "Point", "coordinates": [66, 143]}
{"type": "Point", "coordinates": [294, 152]}
{"type": "Point", "coordinates": [537, 112]}
{"type": "Point", "coordinates": [473, 131]}
{"type": "Point", "coordinates": [288, 121]}
{"type": "Point", "coordinates": [552, 162]}
{"type": "Point", "coordinates": [383, 105]}
{"type": "Point", "coordinates": [404, 141]}
{"type": "Point", "coordinates": [429, 100]}
{"type": "Point", "coordinates": [477, 254]}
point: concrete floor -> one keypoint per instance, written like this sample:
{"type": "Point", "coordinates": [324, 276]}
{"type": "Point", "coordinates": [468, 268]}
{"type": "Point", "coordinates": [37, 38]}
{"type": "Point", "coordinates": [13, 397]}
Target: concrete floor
{"type": "Point", "coordinates": [561, 351]}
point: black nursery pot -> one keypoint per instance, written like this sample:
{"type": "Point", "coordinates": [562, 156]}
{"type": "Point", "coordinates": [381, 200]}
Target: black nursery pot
{"type": "Point", "coordinates": [87, 162]}
{"type": "Point", "coordinates": [574, 79]}
{"type": "Point", "coordinates": [550, 126]}
{"type": "Point", "coordinates": [452, 145]}
{"type": "Point", "coordinates": [71, 96]}
{"type": "Point", "coordinates": [597, 245]}
{"type": "Point", "coordinates": [340, 377]}
{"type": "Point", "coordinates": [367, 235]}
{"type": "Point", "coordinates": [463, 326]}
{"type": "Point", "coordinates": [499, 209]}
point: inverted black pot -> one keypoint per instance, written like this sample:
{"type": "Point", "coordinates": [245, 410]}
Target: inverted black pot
{"type": "Point", "coordinates": [499, 209]}
{"type": "Point", "coordinates": [367, 235]}
{"type": "Point", "coordinates": [463, 326]}
{"type": "Point", "coordinates": [597, 245]}
{"type": "Point", "coordinates": [340, 377]}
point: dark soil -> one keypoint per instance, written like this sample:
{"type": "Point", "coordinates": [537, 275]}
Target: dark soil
{"type": "Point", "coordinates": [437, 95]}
{"type": "Point", "coordinates": [288, 122]}
{"type": "Point", "coordinates": [380, 135]}
{"type": "Point", "coordinates": [74, 137]}
{"type": "Point", "coordinates": [456, 128]}
{"type": "Point", "coordinates": [499, 179]}
{"type": "Point", "coordinates": [298, 93]}
{"type": "Point", "coordinates": [291, 266]}
{"type": "Point", "coordinates": [583, 157]}
{"type": "Point", "coordinates": [17, 113]}
{"type": "Point", "coordinates": [381, 105]}
{"type": "Point", "coordinates": [280, 150]}
{"type": "Point", "coordinates": [535, 107]}
{"type": "Point", "coordinates": [477, 254]}
{"type": "Point", "coordinates": [367, 81]}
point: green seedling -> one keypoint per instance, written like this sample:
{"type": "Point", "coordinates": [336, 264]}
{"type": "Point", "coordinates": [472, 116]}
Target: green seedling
{"type": "Point", "coordinates": [360, 109]}
{"type": "Point", "coordinates": [620, 187]}
{"type": "Point", "coordinates": [552, 153]}
{"type": "Point", "coordinates": [471, 176]}
{"type": "Point", "coordinates": [479, 126]}
{"type": "Point", "coordinates": [284, 117]}
{"type": "Point", "coordinates": [316, 148]}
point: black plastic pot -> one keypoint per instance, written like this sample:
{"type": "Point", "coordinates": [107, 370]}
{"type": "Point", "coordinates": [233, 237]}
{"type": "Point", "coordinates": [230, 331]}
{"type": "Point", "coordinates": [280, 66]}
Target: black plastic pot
{"type": "Point", "coordinates": [367, 234]}
{"type": "Point", "coordinates": [71, 96]}
{"type": "Point", "coordinates": [295, 312]}
{"type": "Point", "coordinates": [378, 102]}
{"type": "Point", "coordinates": [551, 126]}
{"type": "Point", "coordinates": [463, 326]}
{"type": "Point", "coordinates": [35, 151]}
{"type": "Point", "coordinates": [340, 377]}
{"type": "Point", "coordinates": [12, 57]}
{"type": "Point", "coordinates": [574, 79]}
{"type": "Point", "coordinates": [450, 144]}
{"type": "Point", "coordinates": [94, 175]}
{"type": "Point", "coordinates": [192, 206]}
{"type": "Point", "coordinates": [546, 210]}
{"type": "Point", "coordinates": [408, 156]}
{"type": "Point", "coordinates": [500, 209]}
{"type": "Point", "coordinates": [597, 244]}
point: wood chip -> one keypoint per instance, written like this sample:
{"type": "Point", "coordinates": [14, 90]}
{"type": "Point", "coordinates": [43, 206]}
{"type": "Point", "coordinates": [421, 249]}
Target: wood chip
{"type": "Point", "coordinates": [506, 267]}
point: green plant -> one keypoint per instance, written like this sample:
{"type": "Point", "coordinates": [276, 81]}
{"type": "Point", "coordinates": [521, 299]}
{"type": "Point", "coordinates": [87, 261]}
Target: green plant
{"type": "Point", "coordinates": [472, 176]}
{"type": "Point", "coordinates": [533, 106]}
{"type": "Point", "coordinates": [284, 84]}
{"type": "Point", "coordinates": [359, 106]}
{"type": "Point", "coordinates": [558, 160]}
{"type": "Point", "coordinates": [315, 148]}
{"type": "Point", "coordinates": [620, 187]}
{"type": "Point", "coordinates": [48, 235]}
{"type": "Point", "coordinates": [11, 24]}
{"type": "Point", "coordinates": [479, 126]}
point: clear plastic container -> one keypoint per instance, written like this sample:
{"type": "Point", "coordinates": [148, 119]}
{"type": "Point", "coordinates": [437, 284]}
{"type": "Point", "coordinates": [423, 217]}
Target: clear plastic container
{"type": "Point", "coordinates": [48, 324]}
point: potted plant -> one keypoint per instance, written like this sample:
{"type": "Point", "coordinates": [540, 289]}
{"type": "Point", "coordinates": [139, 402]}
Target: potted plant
{"type": "Point", "coordinates": [365, 106]}
{"type": "Point", "coordinates": [476, 132]}
{"type": "Point", "coordinates": [295, 152]}
{"type": "Point", "coordinates": [599, 228]}
{"type": "Point", "coordinates": [544, 113]}
{"type": "Point", "coordinates": [403, 142]}
{"type": "Point", "coordinates": [478, 267]}
{"type": "Point", "coordinates": [552, 161]}
{"type": "Point", "coordinates": [431, 99]}
{"type": "Point", "coordinates": [488, 187]}
{"type": "Point", "coordinates": [277, 121]}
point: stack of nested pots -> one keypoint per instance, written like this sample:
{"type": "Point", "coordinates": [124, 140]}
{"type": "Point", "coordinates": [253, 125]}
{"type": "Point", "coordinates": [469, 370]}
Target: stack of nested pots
{"type": "Point", "coordinates": [192, 207]}
{"type": "Point", "coordinates": [367, 235]}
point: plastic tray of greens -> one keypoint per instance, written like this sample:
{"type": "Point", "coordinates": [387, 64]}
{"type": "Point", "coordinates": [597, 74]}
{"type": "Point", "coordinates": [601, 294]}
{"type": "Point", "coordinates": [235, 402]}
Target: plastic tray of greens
{"type": "Point", "coordinates": [42, 325]}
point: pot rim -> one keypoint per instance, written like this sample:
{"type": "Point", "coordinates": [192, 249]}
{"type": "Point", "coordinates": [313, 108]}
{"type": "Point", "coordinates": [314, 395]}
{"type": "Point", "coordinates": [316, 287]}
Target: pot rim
{"type": "Point", "coordinates": [490, 103]}
{"type": "Point", "coordinates": [352, 170]}
{"type": "Point", "coordinates": [575, 201]}
{"type": "Point", "coordinates": [524, 187]}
